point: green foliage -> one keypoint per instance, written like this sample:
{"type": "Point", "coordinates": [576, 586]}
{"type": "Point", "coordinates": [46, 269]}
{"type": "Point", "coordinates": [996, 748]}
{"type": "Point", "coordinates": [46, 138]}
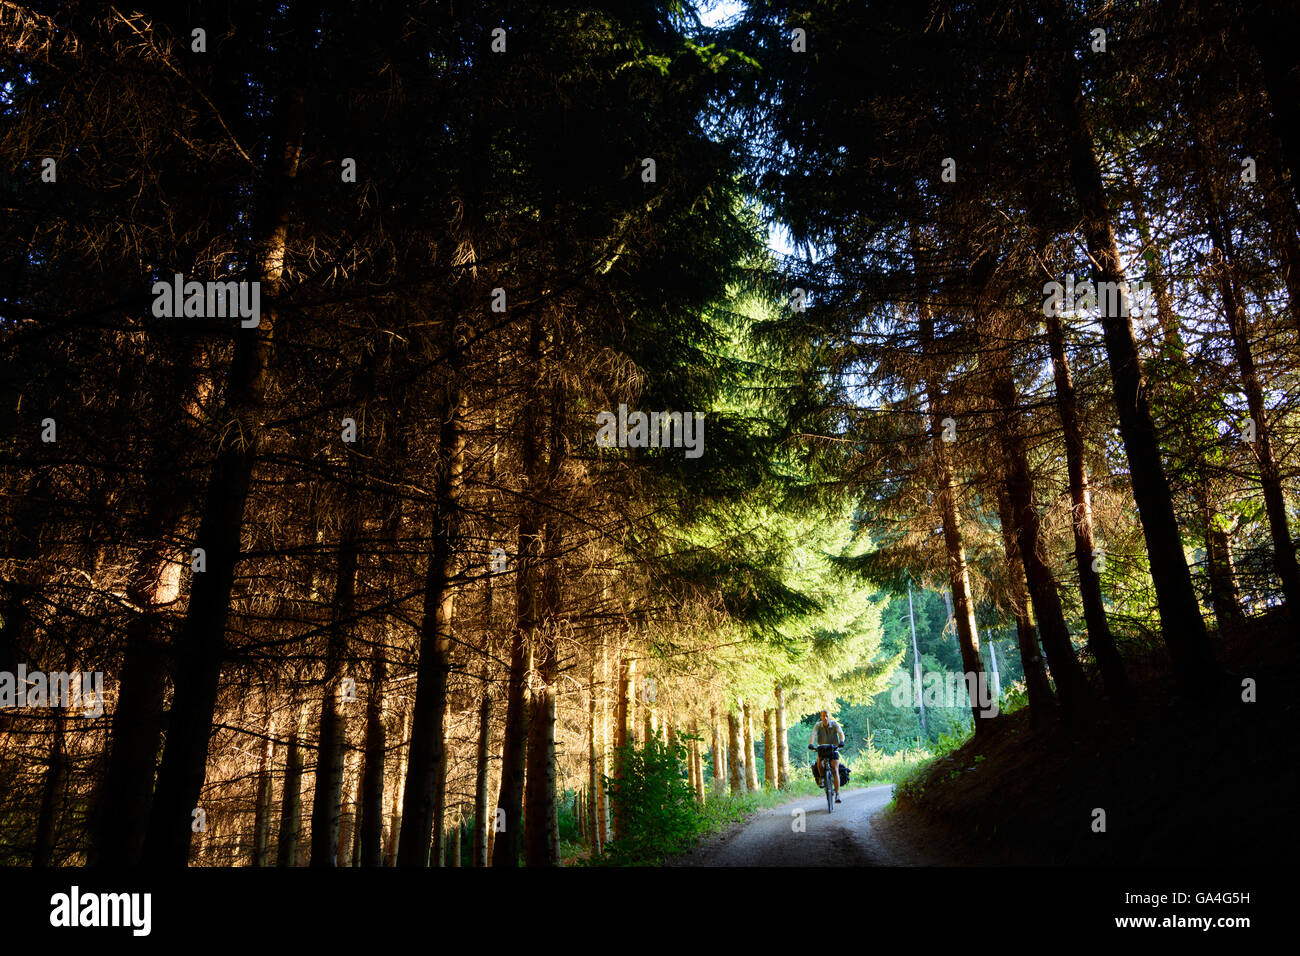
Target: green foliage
{"type": "Point", "coordinates": [658, 813]}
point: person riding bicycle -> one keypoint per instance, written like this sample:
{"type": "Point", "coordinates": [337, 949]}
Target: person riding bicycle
{"type": "Point", "coordinates": [827, 732]}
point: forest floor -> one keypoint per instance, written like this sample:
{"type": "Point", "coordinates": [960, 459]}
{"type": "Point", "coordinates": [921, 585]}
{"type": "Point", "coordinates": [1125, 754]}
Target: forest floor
{"type": "Point", "coordinates": [1181, 782]}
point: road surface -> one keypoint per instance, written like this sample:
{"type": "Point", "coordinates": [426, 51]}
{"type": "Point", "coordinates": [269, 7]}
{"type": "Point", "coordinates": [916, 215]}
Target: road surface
{"type": "Point", "coordinates": [782, 836]}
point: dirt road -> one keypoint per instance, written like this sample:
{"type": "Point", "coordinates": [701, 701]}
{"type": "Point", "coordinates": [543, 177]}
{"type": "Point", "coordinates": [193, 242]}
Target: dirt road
{"type": "Point", "coordinates": [801, 833]}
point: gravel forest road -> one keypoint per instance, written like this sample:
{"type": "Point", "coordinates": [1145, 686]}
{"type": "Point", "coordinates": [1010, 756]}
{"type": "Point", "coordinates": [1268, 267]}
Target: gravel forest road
{"type": "Point", "coordinates": [782, 836]}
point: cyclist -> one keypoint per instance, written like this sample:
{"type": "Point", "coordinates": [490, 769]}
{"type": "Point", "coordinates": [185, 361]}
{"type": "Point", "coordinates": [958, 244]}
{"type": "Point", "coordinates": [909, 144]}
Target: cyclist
{"type": "Point", "coordinates": [827, 732]}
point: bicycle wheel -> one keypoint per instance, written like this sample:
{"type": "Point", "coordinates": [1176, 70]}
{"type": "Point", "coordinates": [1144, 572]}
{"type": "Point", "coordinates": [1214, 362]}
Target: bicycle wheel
{"type": "Point", "coordinates": [829, 783]}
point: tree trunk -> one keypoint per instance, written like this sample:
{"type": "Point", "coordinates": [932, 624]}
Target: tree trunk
{"type": "Point", "coordinates": [751, 761]}
{"type": "Point", "coordinates": [52, 794]}
{"type": "Point", "coordinates": [593, 749]}
{"type": "Point", "coordinates": [622, 730]}
{"type": "Point", "coordinates": [1284, 556]}
{"type": "Point", "coordinates": [602, 744]}
{"type": "Point", "coordinates": [291, 798]}
{"type": "Point", "coordinates": [454, 849]}
{"type": "Point", "coordinates": [1071, 685]}
{"type": "Point", "coordinates": [422, 803]}
{"type": "Point", "coordinates": [265, 798]}
{"type": "Point", "coordinates": [326, 812]}
{"type": "Point", "coordinates": [955, 548]}
{"type": "Point", "coordinates": [122, 815]}
{"type": "Point", "coordinates": [399, 785]}
{"type": "Point", "coordinates": [1037, 688]}
{"type": "Point", "coordinates": [769, 749]}
{"type": "Point", "coordinates": [347, 817]}
{"type": "Point", "coordinates": [372, 780]}
{"type": "Point", "coordinates": [1100, 640]}
{"type": "Point", "coordinates": [201, 642]}
{"type": "Point", "coordinates": [916, 659]}
{"type": "Point", "coordinates": [719, 771]}
{"type": "Point", "coordinates": [1181, 623]}
{"type": "Point", "coordinates": [510, 802]}
{"type": "Point", "coordinates": [482, 823]}
{"type": "Point", "coordinates": [782, 741]}
{"type": "Point", "coordinates": [736, 755]}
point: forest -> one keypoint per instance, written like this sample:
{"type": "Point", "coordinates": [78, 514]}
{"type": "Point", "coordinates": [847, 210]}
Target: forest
{"type": "Point", "coordinates": [487, 434]}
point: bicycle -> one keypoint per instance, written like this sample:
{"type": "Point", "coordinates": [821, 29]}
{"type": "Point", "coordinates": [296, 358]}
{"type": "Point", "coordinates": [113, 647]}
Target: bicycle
{"type": "Point", "coordinates": [827, 753]}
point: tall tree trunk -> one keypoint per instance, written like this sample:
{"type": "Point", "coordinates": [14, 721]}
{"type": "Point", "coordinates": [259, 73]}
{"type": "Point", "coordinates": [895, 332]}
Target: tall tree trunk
{"type": "Point", "coordinates": [1284, 556]}
{"type": "Point", "coordinates": [736, 754]}
{"type": "Point", "coordinates": [593, 748]}
{"type": "Point", "coordinates": [622, 731]}
{"type": "Point", "coordinates": [326, 812]}
{"type": "Point", "coordinates": [265, 798]}
{"type": "Point", "coordinates": [1181, 623]}
{"type": "Point", "coordinates": [541, 812]}
{"type": "Point", "coordinates": [602, 745]}
{"type": "Point", "coordinates": [372, 780]}
{"type": "Point", "coordinates": [201, 643]}
{"type": "Point", "coordinates": [955, 547]}
{"type": "Point", "coordinates": [1071, 684]}
{"type": "Point", "coordinates": [291, 798]}
{"type": "Point", "coordinates": [751, 761]}
{"type": "Point", "coordinates": [1037, 688]}
{"type": "Point", "coordinates": [426, 776]}
{"type": "Point", "coordinates": [769, 749]}
{"type": "Point", "coordinates": [122, 816]}
{"type": "Point", "coordinates": [719, 770]}
{"type": "Point", "coordinates": [399, 785]}
{"type": "Point", "coordinates": [782, 741]}
{"type": "Point", "coordinates": [482, 823]}
{"type": "Point", "coordinates": [540, 809]}
{"type": "Point", "coordinates": [1223, 593]}
{"type": "Point", "coordinates": [916, 661]}
{"type": "Point", "coordinates": [347, 814]}
{"type": "Point", "coordinates": [1100, 640]}
{"type": "Point", "coordinates": [52, 793]}
{"type": "Point", "coordinates": [1224, 598]}
{"type": "Point", "coordinates": [510, 803]}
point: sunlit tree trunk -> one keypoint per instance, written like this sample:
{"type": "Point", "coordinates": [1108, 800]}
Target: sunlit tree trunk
{"type": "Point", "coordinates": [735, 753]}
{"type": "Point", "coordinates": [782, 740]}
{"type": "Point", "coordinates": [769, 749]}
{"type": "Point", "coordinates": [121, 818]}
{"type": "Point", "coordinates": [422, 803]}
{"type": "Point", "coordinates": [622, 729]}
{"type": "Point", "coordinates": [326, 804]}
{"type": "Point", "coordinates": [265, 798]}
{"type": "Point", "coordinates": [372, 777]}
{"type": "Point", "coordinates": [291, 797]}
{"type": "Point", "coordinates": [399, 785]}
{"type": "Point", "coordinates": [593, 750]}
{"type": "Point", "coordinates": [751, 760]}
{"type": "Point", "coordinates": [602, 744]}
